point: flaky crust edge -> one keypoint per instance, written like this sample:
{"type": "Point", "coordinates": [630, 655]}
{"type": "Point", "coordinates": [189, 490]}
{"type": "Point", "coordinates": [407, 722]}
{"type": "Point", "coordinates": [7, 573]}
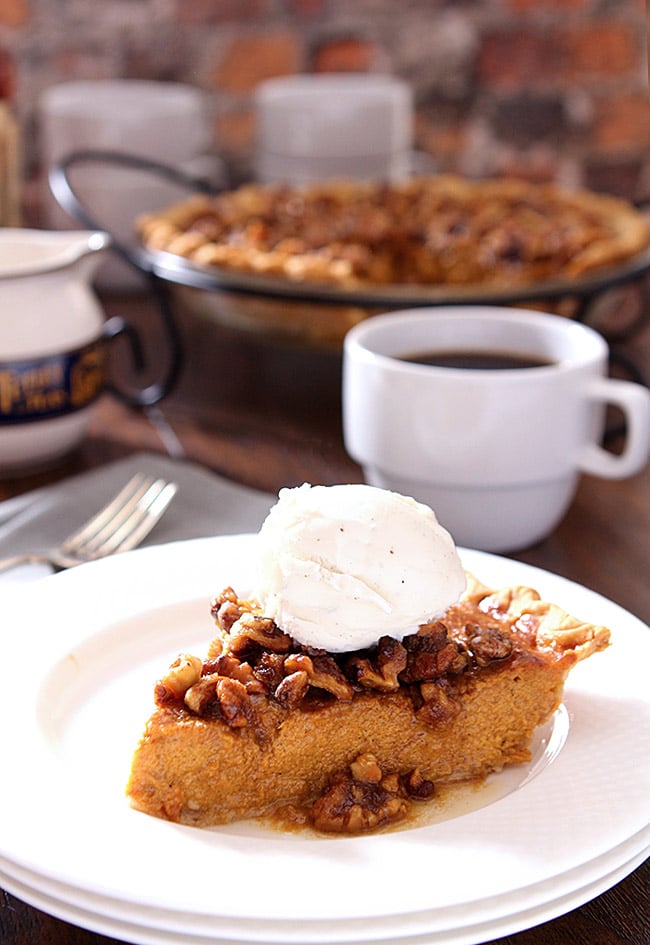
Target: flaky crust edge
{"type": "Point", "coordinates": [557, 629]}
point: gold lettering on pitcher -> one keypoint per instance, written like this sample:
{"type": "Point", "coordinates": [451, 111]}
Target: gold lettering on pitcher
{"type": "Point", "coordinates": [87, 377]}
{"type": "Point", "coordinates": [28, 385]}
{"type": "Point", "coordinates": [53, 385]}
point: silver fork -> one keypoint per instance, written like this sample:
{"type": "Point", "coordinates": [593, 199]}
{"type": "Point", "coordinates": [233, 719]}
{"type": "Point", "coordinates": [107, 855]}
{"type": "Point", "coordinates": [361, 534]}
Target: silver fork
{"type": "Point", "coordinates": [120, 526]}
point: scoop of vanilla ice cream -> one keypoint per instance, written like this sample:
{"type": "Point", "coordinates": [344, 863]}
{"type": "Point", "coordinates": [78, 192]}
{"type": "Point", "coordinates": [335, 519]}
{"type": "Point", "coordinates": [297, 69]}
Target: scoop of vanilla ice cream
{"type": "Point", "coordinates": [342, 566]}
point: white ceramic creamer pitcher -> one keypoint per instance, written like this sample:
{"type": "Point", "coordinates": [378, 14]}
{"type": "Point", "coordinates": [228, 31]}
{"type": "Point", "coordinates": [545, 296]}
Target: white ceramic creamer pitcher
{"type": "Point", "coordinates": [51, 343]}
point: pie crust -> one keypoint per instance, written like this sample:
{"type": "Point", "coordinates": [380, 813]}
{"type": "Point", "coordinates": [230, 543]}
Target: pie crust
{"type": "Point", "coordinates": [443, 230]}
{"type": "Point", "coordinates": [264, 727]}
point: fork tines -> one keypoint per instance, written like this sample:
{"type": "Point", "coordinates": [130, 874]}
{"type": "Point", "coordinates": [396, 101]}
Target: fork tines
{"type": "Point", "coordinates": [125, 521]}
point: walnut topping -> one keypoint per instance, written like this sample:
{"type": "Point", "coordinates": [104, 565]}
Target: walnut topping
{"type": "Point", "coordinates": [252, 630]}
{"type": "Point", "coordinates": [220, 694]}
{"type": "Point", "coordinates": [291, 690]}
{"type": "Point", "coordinates": [358, 800]}
{"type": "Point", "coordinates": [234, 702]}
{"type": "Point", "coordinates": [432, 654]}
{"type": "Point", "coordinates": [202, 695]}
{"type": "Point", "coordinates": [183, 673]}
{"type": "Point", "coordinates": [364, 797]}
{"type": "Point", "coordinates": [440, 229]}
{"type": "Point", "coordinates": [382, 673]}
{"type": "Point", "coordinates": [488, 644]}
{"type": "Point", "coordinates": [322, 672]}
{"type": "Point", "coordinates": [226, 608]}
{"type": "Point", "coordinates": [228, 665]}
{"type": "Point", "coordinates": [417, 786]}
{"type": "Point", "coordinates": [439, 704]}
{"type": "Point", "coordinates": [366, 768]}
{"type": "Point", "coordinates": [252, 652]}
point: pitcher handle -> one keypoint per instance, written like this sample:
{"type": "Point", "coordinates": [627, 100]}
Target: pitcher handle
{"type": "Point", "coordinates": [116, 327]}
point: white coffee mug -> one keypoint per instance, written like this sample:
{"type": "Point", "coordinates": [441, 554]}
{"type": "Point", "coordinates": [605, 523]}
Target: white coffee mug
{"type": "Point", "coordinates": [497, 453]}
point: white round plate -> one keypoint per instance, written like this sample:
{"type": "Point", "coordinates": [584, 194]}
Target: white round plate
{"type": "Point", "coordinates": [505, 914]}
{"type": "Point", "coordinates": [84, 650]}
{"type": "Point", "coordinates": [137, 932]}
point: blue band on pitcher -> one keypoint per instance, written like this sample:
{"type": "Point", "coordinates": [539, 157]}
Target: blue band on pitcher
{"type": "Point", "coordinates": [51, 386]}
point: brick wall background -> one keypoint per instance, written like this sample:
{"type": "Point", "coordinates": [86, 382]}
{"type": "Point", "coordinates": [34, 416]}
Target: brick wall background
{"type": "Point", "coordinates": [542, 88]}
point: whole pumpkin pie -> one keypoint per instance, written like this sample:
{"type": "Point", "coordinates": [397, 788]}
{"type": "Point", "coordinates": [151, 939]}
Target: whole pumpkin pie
{"type": "Point", "coordinates": [349, 738]}
{"type": "Point", "coordinates": [440, 230]}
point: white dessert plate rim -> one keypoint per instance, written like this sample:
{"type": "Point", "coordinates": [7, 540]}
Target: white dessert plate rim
{"type": "Point", "coordinates": [48, 898]}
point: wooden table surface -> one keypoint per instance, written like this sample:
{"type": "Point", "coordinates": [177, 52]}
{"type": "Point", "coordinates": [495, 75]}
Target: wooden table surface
{"type": "Point", "coordinates": [269, 416]}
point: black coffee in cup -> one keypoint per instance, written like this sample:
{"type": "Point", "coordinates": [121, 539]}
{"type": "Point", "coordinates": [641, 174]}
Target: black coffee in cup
{"type": "Point", "coordinates": [477, 360]}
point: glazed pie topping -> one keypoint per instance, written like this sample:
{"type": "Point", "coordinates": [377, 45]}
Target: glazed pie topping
{"type": "Point", "coordinates": [252, 658]}
{"type": "Point", "coordinates": [443, 230]}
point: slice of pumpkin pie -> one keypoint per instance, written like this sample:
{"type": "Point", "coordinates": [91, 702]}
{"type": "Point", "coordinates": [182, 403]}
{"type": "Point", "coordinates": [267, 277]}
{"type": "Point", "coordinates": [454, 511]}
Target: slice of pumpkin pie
{"type": "Point", "coordinates": [367, 669]}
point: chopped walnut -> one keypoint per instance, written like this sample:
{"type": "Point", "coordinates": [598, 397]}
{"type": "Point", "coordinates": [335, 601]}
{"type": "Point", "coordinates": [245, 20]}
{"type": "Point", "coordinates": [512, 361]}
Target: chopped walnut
{"type": "Point", "coordinates": [215, 648]}
{"type": "Point", "coordinates": [269, 669]}
{"type": "Point", "coordinates": [381, 673]}
{"type": "Point", "coordinates": [202, 696]}
{"type": "Point", "coordinates": [366, 768]}
{"type": "Point", "coordinates": [391, 783]}
{"type": "Point", "coordinates": [234, 702]}
{"type": "Point", "coordinates": [350, 807]}
{"type": "Point", "coordinates": [226, 608]}
{"type": "Point", "coordinates": [432, 654]}
{"type": "Point", "coordinates": [439, 704]}
{"type": "Point", "coordinates": [251, 631]}
{"type": "Point", "coordinates": [183, 673]}
{"type": "Point", "coordinates": [228, 665]}
{"type": "Point", "coordinates": [220, 694]}
{"type": "Point", "coordinates": [418, 787]}
{"type": "Point", "coordinates": [488, 644]}
{"type": "Point", "coordinates": [323, 673]}
{"type": "Point", "coordinates": [353, 804]}
{"type": "Point", "coordinates": [292, 689]}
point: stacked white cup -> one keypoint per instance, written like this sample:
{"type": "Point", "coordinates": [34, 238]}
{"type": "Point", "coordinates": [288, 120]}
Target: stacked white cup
{"type": "Point", "coordinates": [496, 452]}
{"type": "Point", "coordinates": [159, 121]}
{"type": "Point", "coordinates": [313, 127]}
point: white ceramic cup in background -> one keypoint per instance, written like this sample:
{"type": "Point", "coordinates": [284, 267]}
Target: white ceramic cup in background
{"type": "Point", "coordinates": [496, 453]}
{"type": "Point", "coordinates": [312, 127]}
{"type": "Point", "coordinates": [165, 122]}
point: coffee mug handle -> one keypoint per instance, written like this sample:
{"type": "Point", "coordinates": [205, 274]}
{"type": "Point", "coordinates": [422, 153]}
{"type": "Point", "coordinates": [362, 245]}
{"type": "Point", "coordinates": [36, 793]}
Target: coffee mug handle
{"type": "Point", "coordinates": [634, 401]}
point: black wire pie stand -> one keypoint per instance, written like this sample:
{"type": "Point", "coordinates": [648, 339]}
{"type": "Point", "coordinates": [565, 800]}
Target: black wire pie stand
{"type": "Point", "coordinates": [614, 300]}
